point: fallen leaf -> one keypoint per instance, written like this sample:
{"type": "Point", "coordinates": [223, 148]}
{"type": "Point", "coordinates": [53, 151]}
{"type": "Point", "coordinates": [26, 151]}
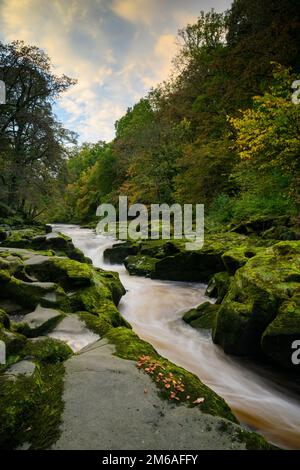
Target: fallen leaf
{"type": "Point", "coordinates": [199, 400]}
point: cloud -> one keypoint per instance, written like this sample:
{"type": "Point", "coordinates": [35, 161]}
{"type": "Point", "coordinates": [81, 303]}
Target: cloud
{"type": "Point", "coordinates": [138, 11]}
{"type": "Point", "coordinates": [116, 50]}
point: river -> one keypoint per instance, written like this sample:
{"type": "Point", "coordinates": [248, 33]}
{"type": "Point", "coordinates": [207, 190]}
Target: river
{"type": "Point", "coordinates": [154, 309]}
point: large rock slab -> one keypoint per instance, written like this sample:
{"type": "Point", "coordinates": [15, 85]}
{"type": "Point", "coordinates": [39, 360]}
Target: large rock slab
{"type": "Point", "coordinates": [110, 404]}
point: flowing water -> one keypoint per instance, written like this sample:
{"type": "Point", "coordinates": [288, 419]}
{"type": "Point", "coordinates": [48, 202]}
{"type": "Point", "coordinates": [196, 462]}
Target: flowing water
{"type": "Point", "coordinates": [154, 308]}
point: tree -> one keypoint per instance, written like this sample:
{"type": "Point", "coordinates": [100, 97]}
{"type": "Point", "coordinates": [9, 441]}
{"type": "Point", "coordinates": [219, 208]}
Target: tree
{"type": "Point", "coordinates": [32, 141]}
{"type": "Point", "coordinates": [268, 140]}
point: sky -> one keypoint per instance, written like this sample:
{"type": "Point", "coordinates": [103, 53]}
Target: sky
{"type": "Point", "coordinates": [116, 49]}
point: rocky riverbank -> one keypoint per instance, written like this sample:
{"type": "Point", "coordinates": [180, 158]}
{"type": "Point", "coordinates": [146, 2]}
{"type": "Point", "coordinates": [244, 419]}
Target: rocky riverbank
{"type": "Point", "coordinates": [256, 283]}
{"type": "Point", "coordinates": [69, 349]}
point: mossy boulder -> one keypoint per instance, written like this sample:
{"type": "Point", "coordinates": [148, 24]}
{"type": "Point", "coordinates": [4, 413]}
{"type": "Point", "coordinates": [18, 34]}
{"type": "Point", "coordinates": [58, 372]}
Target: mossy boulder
{"type": "Point", "coordinates": [3, 234]}
{"type": "Point", "coordinates": [256, 295]}
{"type": "Point", "coordinates": [278, 338]}
{"type": "Point", "coordinates": [4, 319]}
{"type": "Point", "coordinates": [189, 266]}
{"type": "Point", "coordinates": [160, 248]}
{"type": "Point", "coordinates": [48, 350]}
{"type": "Point", "coordinates": [140, 265]}
{"type": "Point", "coordinates": [112, 281]}
{"type": "Point", "coordinates": [39, 322]}
{"type": "Point", "coordinates": [238, 256]}
{"type": "Point", "coordinates": [30, 294]}
{"type": "Point", "coordinates": [259, 224]}
{"type": "Point", "coordinates": [31, 408]}
{"type": "Point", "coordinates": [218, 286]}
{"type": "Point", "coordinates": [68, 273]}
{"type": "Point", "coordinates": [29, 239]}
{"type": "Point", "coordinates": [14, 342]}
{"type": "Point", "coordinates": [118, 252]}
{"type": "Point", "coordinates": [203, 316]}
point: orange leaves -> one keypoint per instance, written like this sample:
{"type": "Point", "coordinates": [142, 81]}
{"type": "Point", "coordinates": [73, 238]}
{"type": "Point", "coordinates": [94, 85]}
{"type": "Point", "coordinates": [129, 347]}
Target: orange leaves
{"type": "Point", "coordinates": [170, 385]}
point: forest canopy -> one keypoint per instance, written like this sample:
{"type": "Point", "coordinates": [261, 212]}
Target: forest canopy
{"type": "Point", "coordinates": [222, 130]}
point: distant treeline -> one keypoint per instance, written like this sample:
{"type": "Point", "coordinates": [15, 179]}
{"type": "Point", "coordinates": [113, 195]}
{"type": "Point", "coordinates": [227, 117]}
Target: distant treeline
{"type": "Point", "coordinates": [222, 130]}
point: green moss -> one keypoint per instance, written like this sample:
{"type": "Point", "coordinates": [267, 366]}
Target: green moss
{"type": "Point", "coordinates": [102, 323]}
{"type": "Point", "coordinates": [21, 238]}
{"type": "Point", "coordinates": [218, 286]}
{"type": "Point", "coordinates": [31, 408]}
{"type": "Point", "coordinates": [48, 350]}
{"type": "Point", "coordinates": [61, 244]}
{"type": "Point", "coordinates": [160, 248]}
{"type": "Point", "coordinates": [111, 280]}
{"type": "Point", "coordinates": [4, 319]}
{"type": "Point", "coordinates": [118, 252]}
{"type": "Point", "coordinates": [203, 316]}
{"type": "Point", "coordinates": [14, 342]}
{"type": "Point", "coordinates": [238, 256]}
{"type": "Point", "coordinates": [256, 295]}
{"type": "Point", "coordinates": [279, 336]}
{"type": "Point", "coordinates": [130, 346]}
{"type": "Point", "coordinates": [68, 273]}
{"type": "Point", "coordinates": [29, 294]}
{"type": "Point", "coordinates": [24, 329]}
{"type": "Point", "coordinates": [254, 441]}
{"type": "Point", "coordinates": [140, 265]}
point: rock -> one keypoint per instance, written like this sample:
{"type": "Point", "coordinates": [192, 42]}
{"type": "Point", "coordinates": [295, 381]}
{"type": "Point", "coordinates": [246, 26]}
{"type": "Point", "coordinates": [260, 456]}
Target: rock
{"type": "Point", "coordinates": [40, 321]}
{"type": "Point", "coordinates": [10, 307]}
{"type": "Point", "coordinates": [202, 316]}
{"type": "Point", "coordinates": [237, 257]}
{"type": "Point", "coordinates": [48, 228]}
{"type": "Point", "coordinates": [112, 281]}
{"type": "Point", "coordinates": [29, 294]}
{"type": "Point", "coordinates": [257, 293]}
{"type": "Point", "coordinates": [14, 342]}
{"type": "Point", "coordinates": [118, 252]}
{"type": "Point", "coordinates": [140, 265]}
{"type": "Point", "coordinates": [4, 319]}
{"type": "Point", "coordinates": [278, 338]}
{"type": "Point", "coordinates": [260, 224]}
{"type": "Point", "coordinates": [68, 273]}
{"type": "Point", "coordinates": [159, 248]}
{"type": "Point", "coordinates": [97, 381]}
{"type": "Point", "coordinates": [189, 266]}
{"type": "Point", "coordinates": [3, 234]}
{"type": "Point", "coordinates": [73, 331]}
{"type": "Point", "coordinates": [218, 286]}
{"type": "Point", "coordinates": [34, 239]}
{"type": "Point", "coordinates": [48, 350]}
{"type": "Point", "coordinates": [160, 259]}
{"type": "Point", "coordinates": [12, 264]}
{"type": "Point", "coordinates": [25, 368]}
